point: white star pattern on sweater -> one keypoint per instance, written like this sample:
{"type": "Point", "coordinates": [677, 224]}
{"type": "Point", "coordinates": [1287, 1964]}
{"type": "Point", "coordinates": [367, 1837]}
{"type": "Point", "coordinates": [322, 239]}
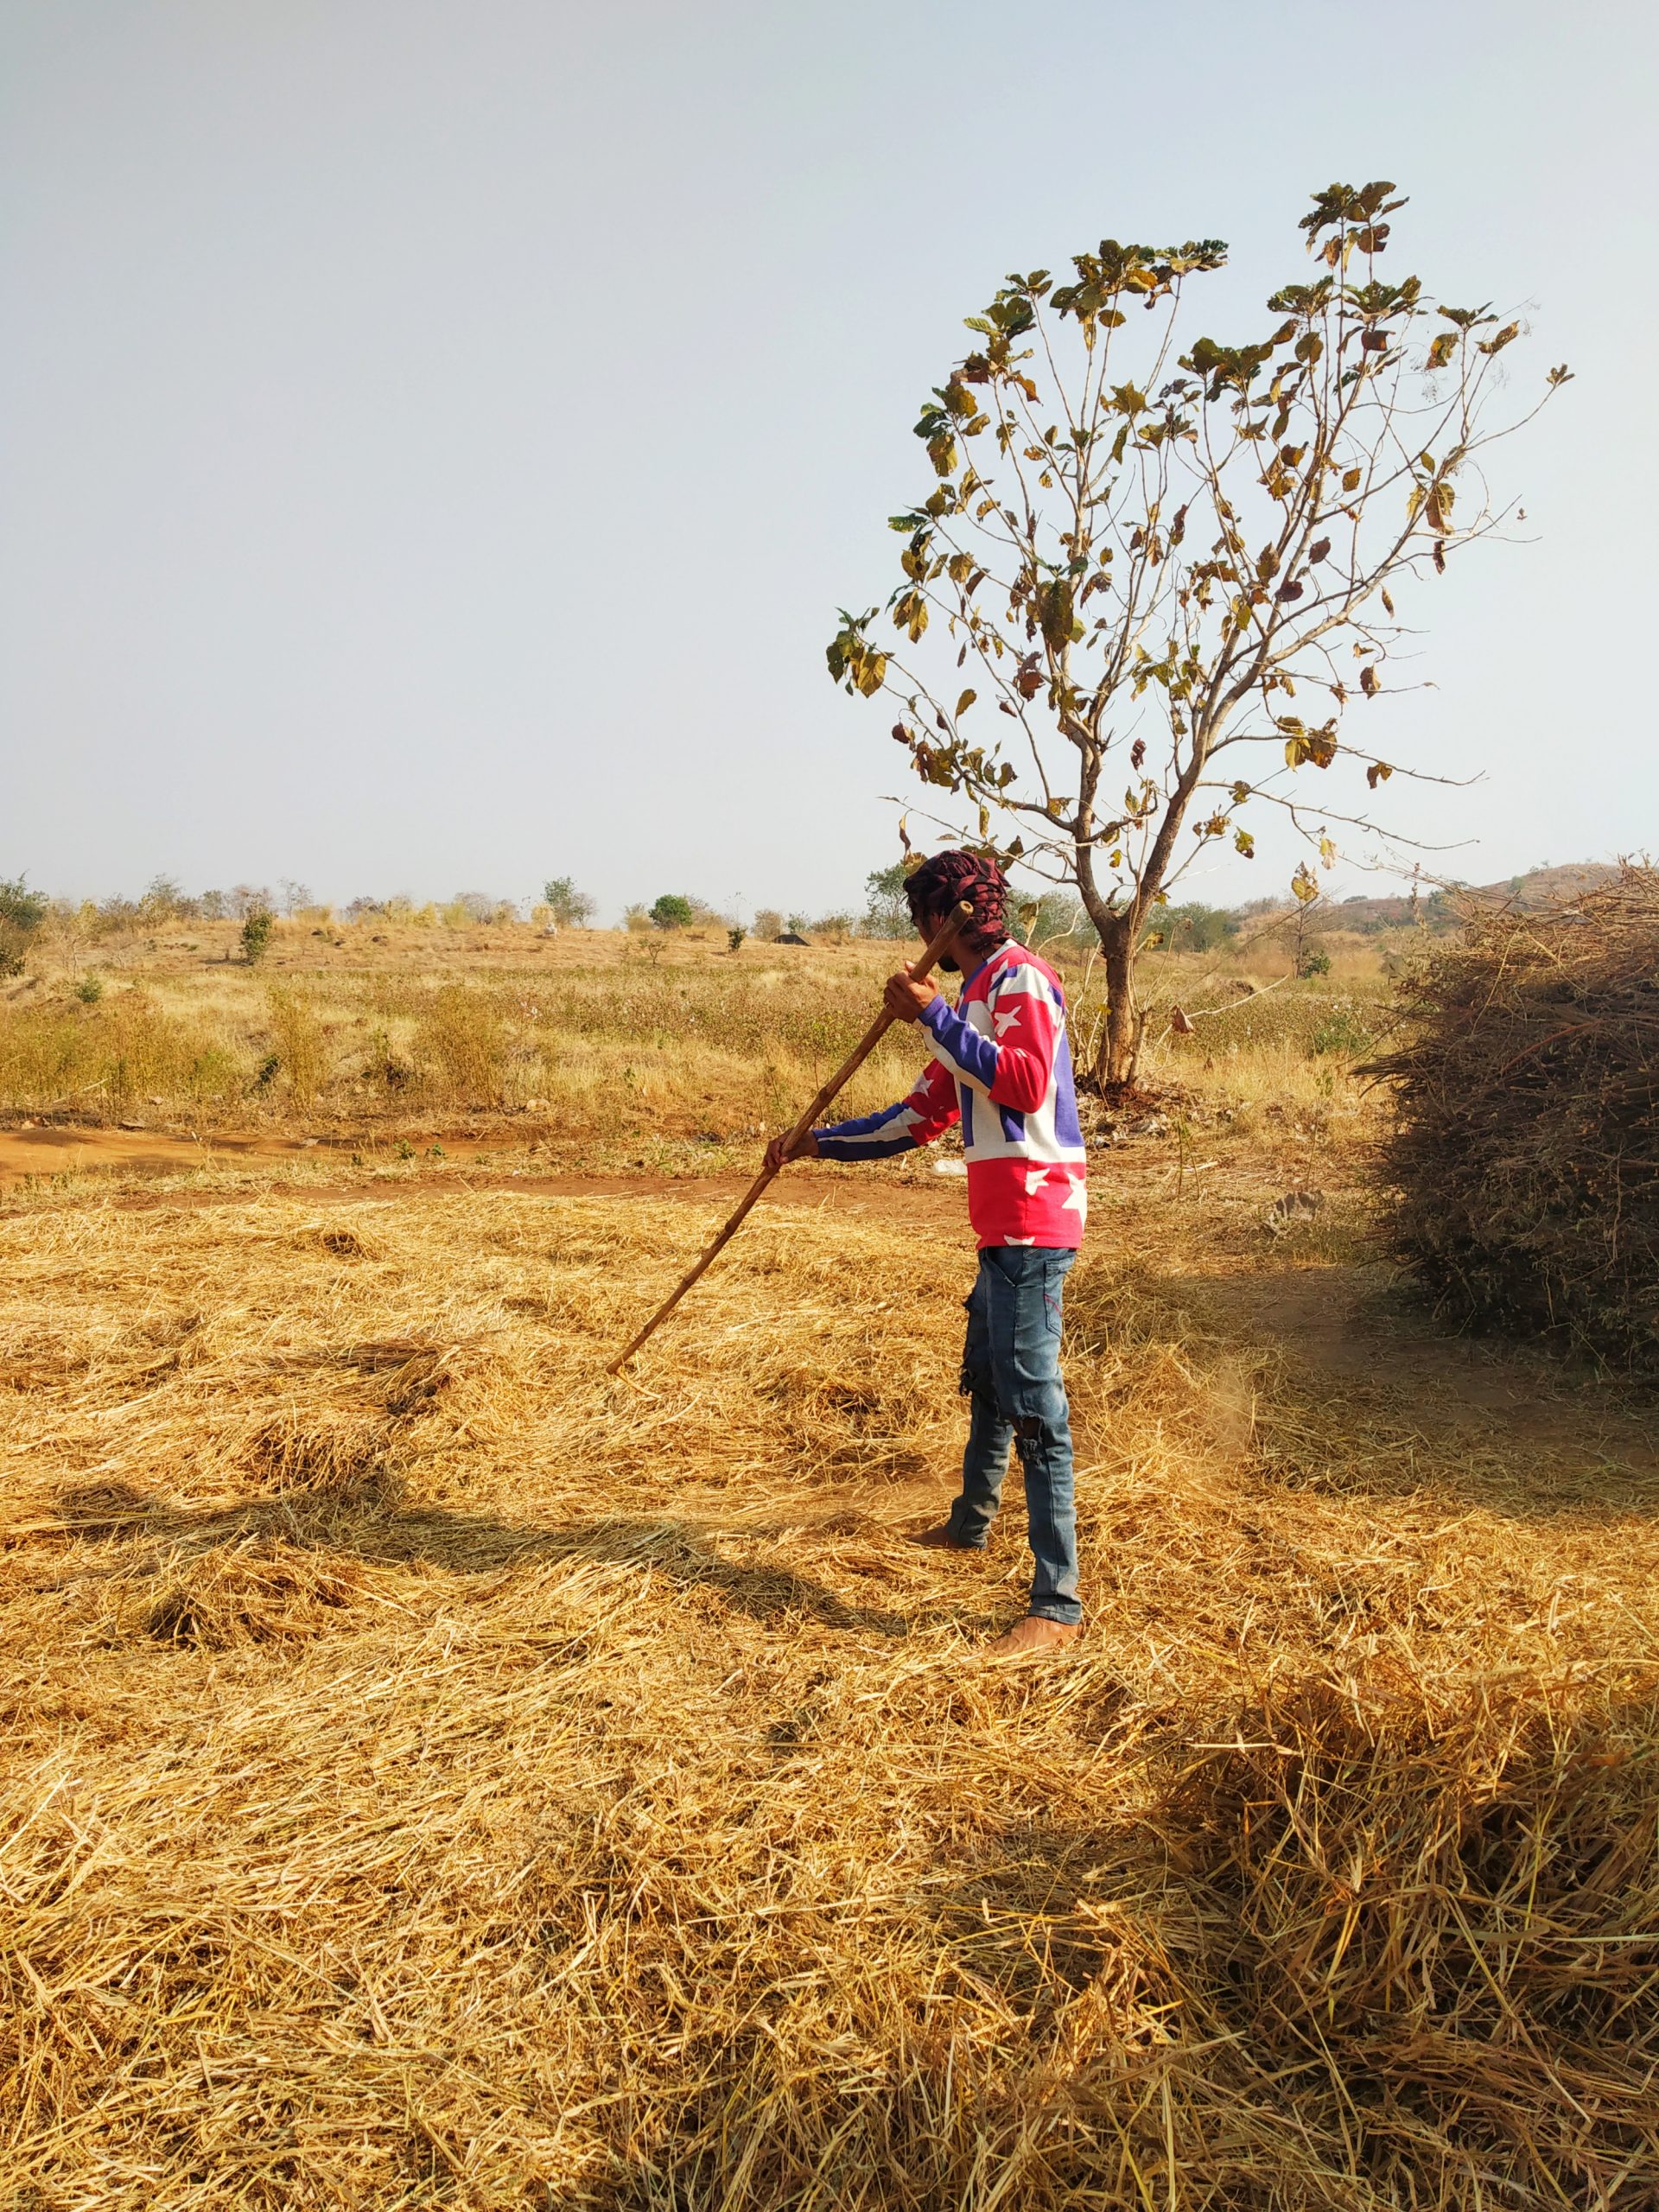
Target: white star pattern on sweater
{"type": "Point", "coordinates": [1001, 1069]}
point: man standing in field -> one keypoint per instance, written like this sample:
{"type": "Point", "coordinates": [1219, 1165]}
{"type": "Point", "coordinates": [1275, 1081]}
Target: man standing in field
{"type": "Point", "coordinates": [1002, 1068]}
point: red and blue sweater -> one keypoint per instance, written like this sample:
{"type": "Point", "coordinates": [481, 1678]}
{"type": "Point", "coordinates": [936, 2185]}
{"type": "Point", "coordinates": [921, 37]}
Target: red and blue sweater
{"type": "Point", "coordinates": [1004, 1070]}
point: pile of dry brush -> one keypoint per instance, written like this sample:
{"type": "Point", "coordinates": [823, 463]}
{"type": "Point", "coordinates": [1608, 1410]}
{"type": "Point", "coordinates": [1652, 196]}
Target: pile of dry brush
{"type": "Point", "coordinates": [1527, 1150]}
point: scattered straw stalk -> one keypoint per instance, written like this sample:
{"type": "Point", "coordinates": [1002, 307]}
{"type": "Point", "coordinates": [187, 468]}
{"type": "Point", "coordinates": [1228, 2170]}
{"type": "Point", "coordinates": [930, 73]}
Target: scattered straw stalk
{"type": "Point", "coordinates": [435, 1775]}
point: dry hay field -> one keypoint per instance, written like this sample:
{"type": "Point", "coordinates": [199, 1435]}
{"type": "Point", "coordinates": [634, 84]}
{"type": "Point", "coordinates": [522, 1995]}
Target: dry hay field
{"type": "Point", "coordinates": [436, 1773]}
{"type": "Point", "coordinates": [596, 1047]}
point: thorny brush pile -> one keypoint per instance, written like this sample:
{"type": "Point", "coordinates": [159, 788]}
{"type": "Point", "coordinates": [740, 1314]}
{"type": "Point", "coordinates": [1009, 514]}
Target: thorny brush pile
{"type": "Point", "coordinates": [434, 1774]}
{"type": "Point", "coordinates": [1526, 1149]}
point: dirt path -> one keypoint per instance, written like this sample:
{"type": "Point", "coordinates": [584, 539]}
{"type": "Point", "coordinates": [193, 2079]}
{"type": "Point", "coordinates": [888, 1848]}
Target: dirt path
{"type": "Point", "coordinates": [940, 1202]}
{"type": "Point", "coordinates": [56, 1149]}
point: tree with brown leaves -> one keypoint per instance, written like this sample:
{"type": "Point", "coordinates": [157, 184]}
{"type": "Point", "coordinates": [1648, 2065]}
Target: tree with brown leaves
{"type": "Point", "coordinates": [1176, 567]}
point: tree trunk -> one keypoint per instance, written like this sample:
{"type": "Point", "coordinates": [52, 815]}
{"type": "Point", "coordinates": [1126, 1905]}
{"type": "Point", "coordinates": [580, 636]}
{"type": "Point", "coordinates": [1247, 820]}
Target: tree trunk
{"type": "Point", "coordinates": [1120, 1051]}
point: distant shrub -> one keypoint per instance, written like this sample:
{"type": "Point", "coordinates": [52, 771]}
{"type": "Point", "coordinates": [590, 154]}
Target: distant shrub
{"type": "Point", "coordinates": [105, 1054]}
{"type": "Point", "coordinates": [1193, 928]}
{"type": "Point", "coordinates": [255, 935]}
{"type": "Point", "coordinates": [466, 910]}
{"type": "Point", "coordinates": [403, 913]}
{"type": "Point", "coordinates": [470, 909]}
{"type": "Point", "coordinates": [381, 1065]}
{"type": "Point", "coordinates": [90, 989]}
{"type": "Point", "coordinates": [302, 1044]}
{"type": "Point", "coordinates": [214, 1075]}
{"type": "Point", "coordinates": [164, 901]}
{"type": "Point", "coordinates": [734, 936]}
{"type": "Point", "coordinates": [23, 908]}
{"type": "Point", "coordinates": [22, 912]}
{"type": "Point", "coordinates": [636, 919]}
{"type": "Point", "coordinates": [672, 911]}
{"type": "Point", "coordinates": [768, 925]}
{"type": "Point", "coordinates": [570, 909]}
{"type": "Point", "coordinates": [463, 1044]}
{"type": "Point", "coordinates": [1058, 920]}
{"type": "Point", "coordinates": [114, 916]}
{"type": "Point", "coordinates": [886, 911]}
{"type": "Point", "coordinates": [1343, 1032]}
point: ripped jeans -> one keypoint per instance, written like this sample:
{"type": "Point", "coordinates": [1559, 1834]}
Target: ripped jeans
{"type": "Point", "coordinates": [1011, 1371]}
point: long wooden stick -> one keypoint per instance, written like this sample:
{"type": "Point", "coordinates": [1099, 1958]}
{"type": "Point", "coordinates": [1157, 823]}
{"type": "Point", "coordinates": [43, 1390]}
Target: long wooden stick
{"type": "Point", "coordinates": [878, 1029]}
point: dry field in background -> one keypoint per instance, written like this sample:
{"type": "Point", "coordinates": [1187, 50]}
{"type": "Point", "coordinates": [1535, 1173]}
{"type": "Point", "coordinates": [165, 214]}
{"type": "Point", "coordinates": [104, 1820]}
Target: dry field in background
{"type": "Point", "coordinates": [597, 1046]}
{"type": "Point", "coordinates": [435, 1774]}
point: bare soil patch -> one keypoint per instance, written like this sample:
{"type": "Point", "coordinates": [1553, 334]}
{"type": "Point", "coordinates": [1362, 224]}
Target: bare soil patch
{"type": "Point", "coordinates": [59, 1148]}
{"type": "Point", "coordinates": [1353, 1325]}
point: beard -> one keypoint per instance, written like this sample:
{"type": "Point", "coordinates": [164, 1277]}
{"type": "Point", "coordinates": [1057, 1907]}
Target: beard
{"type": "Point", "coordinates": [975, 941]}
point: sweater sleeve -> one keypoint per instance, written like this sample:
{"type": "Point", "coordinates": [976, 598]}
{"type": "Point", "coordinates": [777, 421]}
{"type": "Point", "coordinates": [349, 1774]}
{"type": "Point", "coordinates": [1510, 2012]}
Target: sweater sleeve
{"type": "Point", "coordinates": [1014, 1066]}
{"type": "Point", "coordinates": [925, 1114]}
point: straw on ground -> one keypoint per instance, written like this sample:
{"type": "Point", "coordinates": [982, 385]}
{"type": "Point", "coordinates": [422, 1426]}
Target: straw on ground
{"type": "Point", "coordinates": [436, 1773]}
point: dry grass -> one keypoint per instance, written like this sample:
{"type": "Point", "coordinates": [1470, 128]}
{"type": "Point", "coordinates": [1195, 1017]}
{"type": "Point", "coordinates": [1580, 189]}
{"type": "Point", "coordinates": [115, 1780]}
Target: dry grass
{"type": "Point", "coordinates": [593, 1041]}
{"type": "Point", "coordinates": [434, 1774]}
{"type": "Point", "coordinates": [602, 1047]}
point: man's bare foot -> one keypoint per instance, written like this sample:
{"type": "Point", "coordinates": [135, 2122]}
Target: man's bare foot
{"type": "Point", "coordinates": [940, 1540]}
{"type": "Point", "coordinates": [1033, 1634]}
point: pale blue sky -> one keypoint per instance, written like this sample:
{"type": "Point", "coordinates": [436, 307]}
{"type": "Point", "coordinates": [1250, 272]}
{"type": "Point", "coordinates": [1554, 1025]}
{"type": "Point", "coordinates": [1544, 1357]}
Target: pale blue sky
{"type": "Point", "coordinates": [437, 433]}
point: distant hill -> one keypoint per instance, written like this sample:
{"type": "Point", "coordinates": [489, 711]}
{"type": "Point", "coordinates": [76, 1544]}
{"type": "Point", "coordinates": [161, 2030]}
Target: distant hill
{"type": "Point", "coordinates": [1546, 886]}
{"type": "Point", "coordinates": [1538, 887]}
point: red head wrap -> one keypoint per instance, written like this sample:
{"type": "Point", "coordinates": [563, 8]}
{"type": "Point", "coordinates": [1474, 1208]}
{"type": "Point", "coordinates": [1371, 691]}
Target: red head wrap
{"type": "Point", "coordinates": [937, 884]}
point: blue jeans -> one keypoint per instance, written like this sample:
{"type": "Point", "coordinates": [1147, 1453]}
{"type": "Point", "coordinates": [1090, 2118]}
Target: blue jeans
{"type": "Point", "coordinates": [1011, 1371]}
